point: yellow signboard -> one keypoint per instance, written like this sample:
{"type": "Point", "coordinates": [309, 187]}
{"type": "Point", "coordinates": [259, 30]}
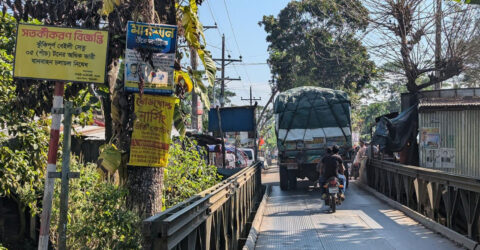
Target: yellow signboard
{"type": "Point", "coordinates": [151, 130]}
{"type": "Point", "coordinates": [64, 54]}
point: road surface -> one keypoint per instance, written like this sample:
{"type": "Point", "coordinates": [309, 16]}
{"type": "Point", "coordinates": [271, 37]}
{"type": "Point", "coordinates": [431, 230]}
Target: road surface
{"type": "Point", "coordinates": [299, 220]}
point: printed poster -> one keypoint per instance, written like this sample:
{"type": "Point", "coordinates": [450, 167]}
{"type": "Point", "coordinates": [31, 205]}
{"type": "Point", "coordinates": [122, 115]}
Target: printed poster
{"type": "Point", "coordinates": [430, 138]}
{"type": "Point", "coordinates": [151, 130]}
{"type": "Point", "coordinates": [159, 38]}
{"type": "Point", "coordinates": [63, 54]}
{"type": "Point", "coordinates": [447, 157]}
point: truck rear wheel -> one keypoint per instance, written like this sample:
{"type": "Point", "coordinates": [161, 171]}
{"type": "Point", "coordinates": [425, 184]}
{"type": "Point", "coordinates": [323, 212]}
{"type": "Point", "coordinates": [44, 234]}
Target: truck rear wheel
{"type": "Point", "coordinates": [283, 178]}
{"type": "Point", "coordinates": [292, 179]}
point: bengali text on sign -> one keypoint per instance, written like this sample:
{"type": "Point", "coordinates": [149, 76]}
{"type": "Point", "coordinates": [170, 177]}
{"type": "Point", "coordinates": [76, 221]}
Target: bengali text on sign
{"type": "Point", "coordinates": [151, 130]}
{"type": "Point", "coordinates": [156, 74]}
{"type": "Point", "coordinates": [64, 54]}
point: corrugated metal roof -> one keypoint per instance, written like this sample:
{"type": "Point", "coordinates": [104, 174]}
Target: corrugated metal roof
{"type": "Point", "coordinates": [91, 132]}
{"type": "Point", "coordinates": [449, 103]}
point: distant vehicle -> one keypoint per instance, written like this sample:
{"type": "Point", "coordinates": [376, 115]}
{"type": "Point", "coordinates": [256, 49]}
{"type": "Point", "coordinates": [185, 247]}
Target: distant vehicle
{"type": "Point", "coordinates": [240, 161]}
{"type": "Point", "coordinates": [308, 120]}
{"type": "Point", "coordinates": [250, 153]}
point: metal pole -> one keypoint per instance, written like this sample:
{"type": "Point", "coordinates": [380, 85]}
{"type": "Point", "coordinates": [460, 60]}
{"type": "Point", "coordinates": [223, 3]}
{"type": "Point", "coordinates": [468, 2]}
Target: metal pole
{"type": "Point", "coordinates": [222, 93]}
{"type": "Point", "coordinates": [62, 225]}
{"type": "Point", "coordinates": [51, 167]}
{"type": "Point", "coordinates": [195, 99]}
{"type": "Point", "coordinates": [255, 132]}
{"type": "Point", "coordinates": [251, 97]}
{"type": "Point", "coordinates": [438, 41]}
{"type": "Point", "coordinates": [222, 135]}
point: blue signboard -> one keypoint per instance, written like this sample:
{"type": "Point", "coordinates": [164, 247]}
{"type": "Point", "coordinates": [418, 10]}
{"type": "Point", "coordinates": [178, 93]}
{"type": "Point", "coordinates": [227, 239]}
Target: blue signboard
{"type": "Point", "coordinates": [160, 39]}
{"type": "Point", "coordinates": [234, 119]}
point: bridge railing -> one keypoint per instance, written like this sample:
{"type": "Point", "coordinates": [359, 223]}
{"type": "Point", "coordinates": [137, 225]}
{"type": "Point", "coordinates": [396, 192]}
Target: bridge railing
{"type": "Point", "coordinates": [448, 199]}
{"type": "Point", "coordinates": [217, 218]}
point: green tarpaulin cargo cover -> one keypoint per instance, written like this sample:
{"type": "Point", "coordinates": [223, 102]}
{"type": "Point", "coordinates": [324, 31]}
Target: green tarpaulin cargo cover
{"type": "Point", "coordinates": [312, 107]}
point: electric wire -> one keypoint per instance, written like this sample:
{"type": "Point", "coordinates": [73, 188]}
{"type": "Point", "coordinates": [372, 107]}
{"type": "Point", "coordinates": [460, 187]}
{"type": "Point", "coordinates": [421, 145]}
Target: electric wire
{"type": "Point", "coordinates": [235, 39]}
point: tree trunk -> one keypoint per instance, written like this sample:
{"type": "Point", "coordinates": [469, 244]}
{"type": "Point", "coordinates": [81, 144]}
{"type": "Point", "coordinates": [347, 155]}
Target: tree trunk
{"type": "Point", "coordinates": [145, 184]}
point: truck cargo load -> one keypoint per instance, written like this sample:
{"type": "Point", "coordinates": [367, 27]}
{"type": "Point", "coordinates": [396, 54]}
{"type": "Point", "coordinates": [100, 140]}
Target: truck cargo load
{"type": "Point", "coordinates": [308, 120]}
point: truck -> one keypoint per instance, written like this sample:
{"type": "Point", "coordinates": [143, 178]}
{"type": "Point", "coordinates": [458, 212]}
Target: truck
{"type": "Point", "coordinates": [308, 121]}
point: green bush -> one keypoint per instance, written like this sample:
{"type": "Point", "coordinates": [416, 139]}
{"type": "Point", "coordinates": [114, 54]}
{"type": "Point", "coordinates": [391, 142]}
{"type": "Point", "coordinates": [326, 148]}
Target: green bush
{"type": "Point", "coordinates": [22, 160]}
{"type": "Point", "coordinates": [97, 213]}
{"type": "Point", "coordinates": [187, 173]}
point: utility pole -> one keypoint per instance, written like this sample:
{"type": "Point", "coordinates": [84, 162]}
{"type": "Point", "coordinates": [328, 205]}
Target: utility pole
{"type": "Point", "coordinates": [222, 90]}
{"type": "Point", "coordinates": [438, 41]}
{"type": "Point", "coordinates": [224, 62]}
{"type": "Point", "coordinates": [251, 99]}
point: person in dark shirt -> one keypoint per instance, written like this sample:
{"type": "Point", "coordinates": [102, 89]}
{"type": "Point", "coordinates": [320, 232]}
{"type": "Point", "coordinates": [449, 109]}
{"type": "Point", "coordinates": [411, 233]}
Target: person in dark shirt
{"type": "Point", "coordinates": [328, 169]}
{"type": "Point", "coordinates": [321, 169]}
{"type": "Point", "coordinates": [332, 166]}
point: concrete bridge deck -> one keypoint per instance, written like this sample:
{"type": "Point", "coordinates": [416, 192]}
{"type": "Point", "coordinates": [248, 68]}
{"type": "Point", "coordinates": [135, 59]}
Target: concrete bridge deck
{"type": "Point", "coordinates": [299, 220]}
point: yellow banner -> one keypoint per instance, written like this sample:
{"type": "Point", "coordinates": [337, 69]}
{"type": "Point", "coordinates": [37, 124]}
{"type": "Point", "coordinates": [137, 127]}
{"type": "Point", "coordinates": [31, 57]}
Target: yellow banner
{"type": "Point", "coordinates": [151, 130]}
{"type": "Point", "coordinates": [64, 54]}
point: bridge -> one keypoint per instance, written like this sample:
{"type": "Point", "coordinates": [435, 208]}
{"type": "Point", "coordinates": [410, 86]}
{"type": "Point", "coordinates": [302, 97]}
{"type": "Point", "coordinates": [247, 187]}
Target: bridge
{"type": "Point", "coordinates": [392, 206]}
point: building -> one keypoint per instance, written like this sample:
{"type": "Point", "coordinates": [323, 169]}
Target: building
{"type": "Point", "coordinates": [449, 130]}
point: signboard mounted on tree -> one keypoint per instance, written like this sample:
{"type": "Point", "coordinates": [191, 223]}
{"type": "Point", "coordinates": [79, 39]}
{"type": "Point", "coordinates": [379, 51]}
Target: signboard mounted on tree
{"type": "Point", "coordinates": [151, 130]}
{"type": "Point", "coordinates": [62, 54]}
{"type": "Point", "coordinates": [160, 40]}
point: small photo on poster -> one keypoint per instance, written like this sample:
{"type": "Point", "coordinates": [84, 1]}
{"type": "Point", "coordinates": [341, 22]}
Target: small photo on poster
{"type": "Point", "coordinates": [430, 155]}
{"type": "Point", "coordinates": [133, 72]}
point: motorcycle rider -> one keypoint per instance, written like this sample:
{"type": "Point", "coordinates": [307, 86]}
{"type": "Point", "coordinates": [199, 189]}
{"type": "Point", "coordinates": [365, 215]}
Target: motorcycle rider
{"type": "Point", "coordinates": [330, 167]}
{"type": "Point", "coordinates": [321, 169]}
{"type": "Point", "coordinates": [341, 169]}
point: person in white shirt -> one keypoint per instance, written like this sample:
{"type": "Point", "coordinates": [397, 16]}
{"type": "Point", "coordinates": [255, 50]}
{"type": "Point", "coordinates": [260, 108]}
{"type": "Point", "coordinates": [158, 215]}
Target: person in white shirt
{"type": "Point", "coordinates": [360, 154]}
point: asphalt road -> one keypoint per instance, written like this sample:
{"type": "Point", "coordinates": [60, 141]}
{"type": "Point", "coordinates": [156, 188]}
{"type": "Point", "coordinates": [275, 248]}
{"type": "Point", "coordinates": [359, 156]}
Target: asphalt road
{"type": "Point", "coordinates": [299, 220]}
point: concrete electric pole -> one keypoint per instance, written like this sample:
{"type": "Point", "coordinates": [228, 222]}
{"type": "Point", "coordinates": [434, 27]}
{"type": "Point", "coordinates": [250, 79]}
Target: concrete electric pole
{"type": "Point", "coordinates": [251, 99]}
{"type": "Point", "coordinates": [224, 62]}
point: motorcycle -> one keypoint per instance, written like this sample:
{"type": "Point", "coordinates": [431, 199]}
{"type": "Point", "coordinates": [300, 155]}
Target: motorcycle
{"type": "Point", "coordinates": [333, 187]}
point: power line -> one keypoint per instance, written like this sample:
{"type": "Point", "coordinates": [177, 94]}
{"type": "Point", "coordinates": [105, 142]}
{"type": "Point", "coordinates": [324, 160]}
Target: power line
{"type": "Point", "coordinates": [225, 47]}
{"type": "Point", "coordinates": [231, 26]}
{"type": "Point", "coordinates": [250, 64]}
{"type": "Point", "coordinates": [235, 39]}
{"type": "Point", "coordinates": [214, 19]}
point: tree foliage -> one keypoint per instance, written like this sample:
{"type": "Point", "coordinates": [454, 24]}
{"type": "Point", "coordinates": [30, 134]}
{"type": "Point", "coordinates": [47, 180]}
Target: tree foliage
{"type": "Point", "coordinates": [98, 215]}
{"type": "Point", "coordinates": [405, 34]}
{"type": "Point", "coordinates": [187, 172]}
{"type": "Point", "coordinates": [380, 97]}
{"type": "Point", "coordinates": [314, 42]}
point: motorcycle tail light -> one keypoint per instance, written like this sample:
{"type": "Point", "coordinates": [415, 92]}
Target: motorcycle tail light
{"type": "Point", "coordinates": [340, 186]}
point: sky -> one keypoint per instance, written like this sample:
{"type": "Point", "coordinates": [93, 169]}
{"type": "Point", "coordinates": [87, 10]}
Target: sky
{"type": "Point", "coordinates": [238, 20]}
